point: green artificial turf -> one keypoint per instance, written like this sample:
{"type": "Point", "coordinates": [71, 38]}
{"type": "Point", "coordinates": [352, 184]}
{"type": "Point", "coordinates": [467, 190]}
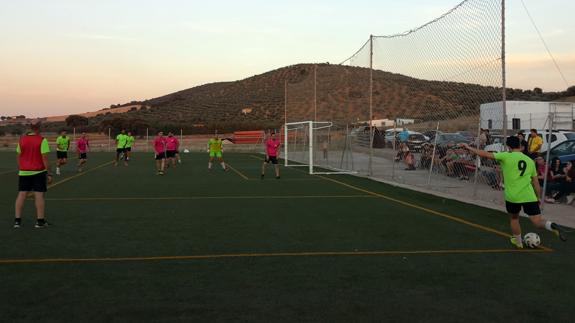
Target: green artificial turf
{"type": "Point", "coordinates": [220, 247]}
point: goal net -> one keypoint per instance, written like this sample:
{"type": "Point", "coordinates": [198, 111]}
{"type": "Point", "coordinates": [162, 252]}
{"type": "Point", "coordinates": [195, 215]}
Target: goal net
{"type": "Point", "coordinates": [318, 146]}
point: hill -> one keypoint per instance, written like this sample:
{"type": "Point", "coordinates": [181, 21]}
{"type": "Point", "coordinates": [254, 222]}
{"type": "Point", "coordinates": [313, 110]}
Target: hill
{"type": "Point", "coordinates": [342, 95]}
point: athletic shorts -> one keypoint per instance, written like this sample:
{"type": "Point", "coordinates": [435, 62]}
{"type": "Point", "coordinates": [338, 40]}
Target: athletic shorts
{"type": "Point", "coordinates": [216, 154]}
{"type": "Point", "coordinates": [33, 183]}
{"type": "Point", "coordinates": [120, 150]}
{"type": "Point", "coordinates": [83, 156]}
{"type": "Point", "coordinates": [272, 159]}
{"type": "Point", "coordinates": [62, 154]}
{"type": "Point", "coordinates": [160, 156]}
{"type": "Point", "coordinates": [128, 148]}
{"type": "Point", "coordinates": [530, 208]}
{"type": "Point", "coordinates": [171, 154]}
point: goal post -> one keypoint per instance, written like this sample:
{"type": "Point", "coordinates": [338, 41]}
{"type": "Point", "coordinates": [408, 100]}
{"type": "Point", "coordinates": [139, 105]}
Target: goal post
{"type": "Point", "coordinates": [307, 144]}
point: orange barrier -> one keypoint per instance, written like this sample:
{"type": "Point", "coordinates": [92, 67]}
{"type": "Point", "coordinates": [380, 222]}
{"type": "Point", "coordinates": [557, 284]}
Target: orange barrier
{"type": "Point", "coordinates": [248, 137]}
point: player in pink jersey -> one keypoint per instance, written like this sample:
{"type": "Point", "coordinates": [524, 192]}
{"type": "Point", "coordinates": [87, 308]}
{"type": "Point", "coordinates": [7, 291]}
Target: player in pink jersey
{"type": "Point", "coordinates": [82, 145]}
{"type": "Point", "coordinates": [172, 146]}
{"type": "Point", "coordinates": [160, 150]}
{"type": "Point", "coordinates": [272, 145]}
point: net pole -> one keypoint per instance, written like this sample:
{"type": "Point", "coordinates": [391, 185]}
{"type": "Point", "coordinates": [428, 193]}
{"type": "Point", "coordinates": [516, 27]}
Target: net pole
{"type": "Point", "coordinates": [109, 139]}
{"type": "Point", "coordinates": [285, 101]}
{"type": "Point", "coordinates": [433, 155]}
{"type": "Point", "coordinates": [315, 92]}
{"type": "Point", "coordinates": [310, 125]}
{"type": "Point", "coordinates": [371, 132]}
{"type": "Point", "coordinates": [285, 145]}
{"type": "Point", "coordinates": [147, 138]}
{"type": "Point", "coordinates": [503, 74]}
{"type": "Point", "coordinates": [551, 122]}
{"type": "Point", "coordinates": [393, 140]}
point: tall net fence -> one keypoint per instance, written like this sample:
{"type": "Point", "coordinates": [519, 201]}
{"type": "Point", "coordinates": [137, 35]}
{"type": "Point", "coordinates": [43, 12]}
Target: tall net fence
{"type": "Point", "coordinates": [407, 101]}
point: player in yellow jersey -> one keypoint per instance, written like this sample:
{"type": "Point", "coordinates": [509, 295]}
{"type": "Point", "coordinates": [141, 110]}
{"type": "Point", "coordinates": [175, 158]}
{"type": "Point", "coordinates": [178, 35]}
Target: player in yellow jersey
{"type": "Point", "coordinates": [522, 189]}
{"type": "Point", "coordinates": [215, 149]}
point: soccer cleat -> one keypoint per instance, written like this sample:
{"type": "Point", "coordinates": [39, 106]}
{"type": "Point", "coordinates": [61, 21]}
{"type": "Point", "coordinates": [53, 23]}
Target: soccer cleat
{"type": "Point", "coordinates": [516, 243]}
{"type": "Point", "coordinates": [262, 176]}
{"type": "Point", "coordinates": [558, 231]}
{"type": "Point", "coordinates": [570, 199]}
{"type": "Point", "coordinates": [41, 224]}
{"type": "Point", "coordinates": [17, 223]}
{"type": "Point", "coordinates": [161, 173]}
{"type": "Point", "coordinates": [277, 177]}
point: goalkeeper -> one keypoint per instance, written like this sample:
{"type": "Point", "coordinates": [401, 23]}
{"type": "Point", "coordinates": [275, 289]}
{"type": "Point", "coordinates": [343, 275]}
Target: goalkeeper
{"type": "Point", "coordinates": [215, 149]}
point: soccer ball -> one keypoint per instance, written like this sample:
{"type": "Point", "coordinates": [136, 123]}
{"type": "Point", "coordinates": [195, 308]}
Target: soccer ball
{"type": "Point", "coordinates": [532, 240]}
{"type": "Point", "coordinates": [186, 151]}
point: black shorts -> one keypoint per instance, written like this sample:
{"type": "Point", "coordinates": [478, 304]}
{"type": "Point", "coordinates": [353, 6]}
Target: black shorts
{"type": "Point", "coordinates": [530, 208]}
{"type": "Point", "coordinates": [171, 153]}
{"type": "Point", "coordinates": [83, 156]}
{"type": "Point", "coordinates": [33, 183]}
{"type": "Point", "coordinates": [160, 156]}
{"type": "Point", "coordinates": [120, 150]}
{"type": "Point", "coordinates": [62, 154]}
{"type": "Point", "coordinates": [128, 149]}
{"type": "Point", "coordinates": [272, 159]}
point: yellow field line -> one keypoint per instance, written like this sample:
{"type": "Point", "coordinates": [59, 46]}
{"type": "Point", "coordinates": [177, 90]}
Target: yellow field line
{"type": "Point", "coordinates": [274, 254]}
{"type": "Point", "coordinates": [80, 174]}
{"type": "Point", "coordinates": [441, 214]}
{"type": "Point", "coordinates": [237, 172]}
{"type": "Point", "coordinates": [208, 197]}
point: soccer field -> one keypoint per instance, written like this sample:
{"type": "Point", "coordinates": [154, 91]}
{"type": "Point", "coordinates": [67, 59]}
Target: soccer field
{"type": "Point", "coordinates": [196, 246]}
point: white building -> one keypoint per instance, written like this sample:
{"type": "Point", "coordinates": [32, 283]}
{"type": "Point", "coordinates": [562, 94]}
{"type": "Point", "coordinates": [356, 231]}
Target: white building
{"type": "Point", "coordinates": [528, 115]}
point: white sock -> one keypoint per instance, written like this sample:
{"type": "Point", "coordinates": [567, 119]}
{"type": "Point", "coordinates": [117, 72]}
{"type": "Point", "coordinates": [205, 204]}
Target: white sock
{"type": "Point", "coordinates": [548, 226]}
{"type": "Point", "coordinates": [223, 165]}
{"type": "Point", "coordinates": [209, 165]}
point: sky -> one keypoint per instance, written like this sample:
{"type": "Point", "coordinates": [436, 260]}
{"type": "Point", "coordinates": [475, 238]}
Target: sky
{"type": "Point", "coordinates": [71, 56]}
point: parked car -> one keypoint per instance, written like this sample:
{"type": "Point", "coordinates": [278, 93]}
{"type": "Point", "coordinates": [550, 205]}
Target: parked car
{"type": "Point", "coordinates": [445, 139]}
{"type": "Point", "coordinates": [565, 151]}
{"type": "Point", "coordinates": [468, 135]}
{"type": "Point", "coordinates": [415, 141]}
{"type": "Point", "coordinates": [391, 136]}
{"type": "Point", "coordinates": [431, 134]}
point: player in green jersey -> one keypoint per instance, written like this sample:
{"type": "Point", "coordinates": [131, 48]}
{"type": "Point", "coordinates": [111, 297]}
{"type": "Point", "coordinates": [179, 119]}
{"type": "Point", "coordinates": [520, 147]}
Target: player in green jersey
{"type": "Point", "coordinates": [522, 189]}
{"type": "Point", "coordinates": [215, 149]}
{"type": "Point", "coordinates": [121, 143]}
{"type": "Point", "coordinates": [129, 144]}
{"type": "Point", "coordinates": [62, 146]}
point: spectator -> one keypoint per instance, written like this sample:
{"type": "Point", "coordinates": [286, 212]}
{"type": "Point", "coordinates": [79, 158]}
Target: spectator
{"type": "Point", "coordinates": [534, 144]}
{"type": "Point", "coordinates": [482, 139]}
{"type": "Point", "coordinates": [492, 173]}
{"type": "Point", "coordinates": [404, 135]}
{"type": "Point", "coordinates": [565, 188]}
{"type": "Point", "coordinates": [557, 173]}
{"type": "Point", "coordinates": [409, 160]}
{"type": "Point", "coordinates": [426, 156]}
{"type": "Point", "coordinates": [542, 169]}
{"type": "Point", "coordinates": [488, 136]}
{"type": "Point", "coordinates": [524, 144]}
